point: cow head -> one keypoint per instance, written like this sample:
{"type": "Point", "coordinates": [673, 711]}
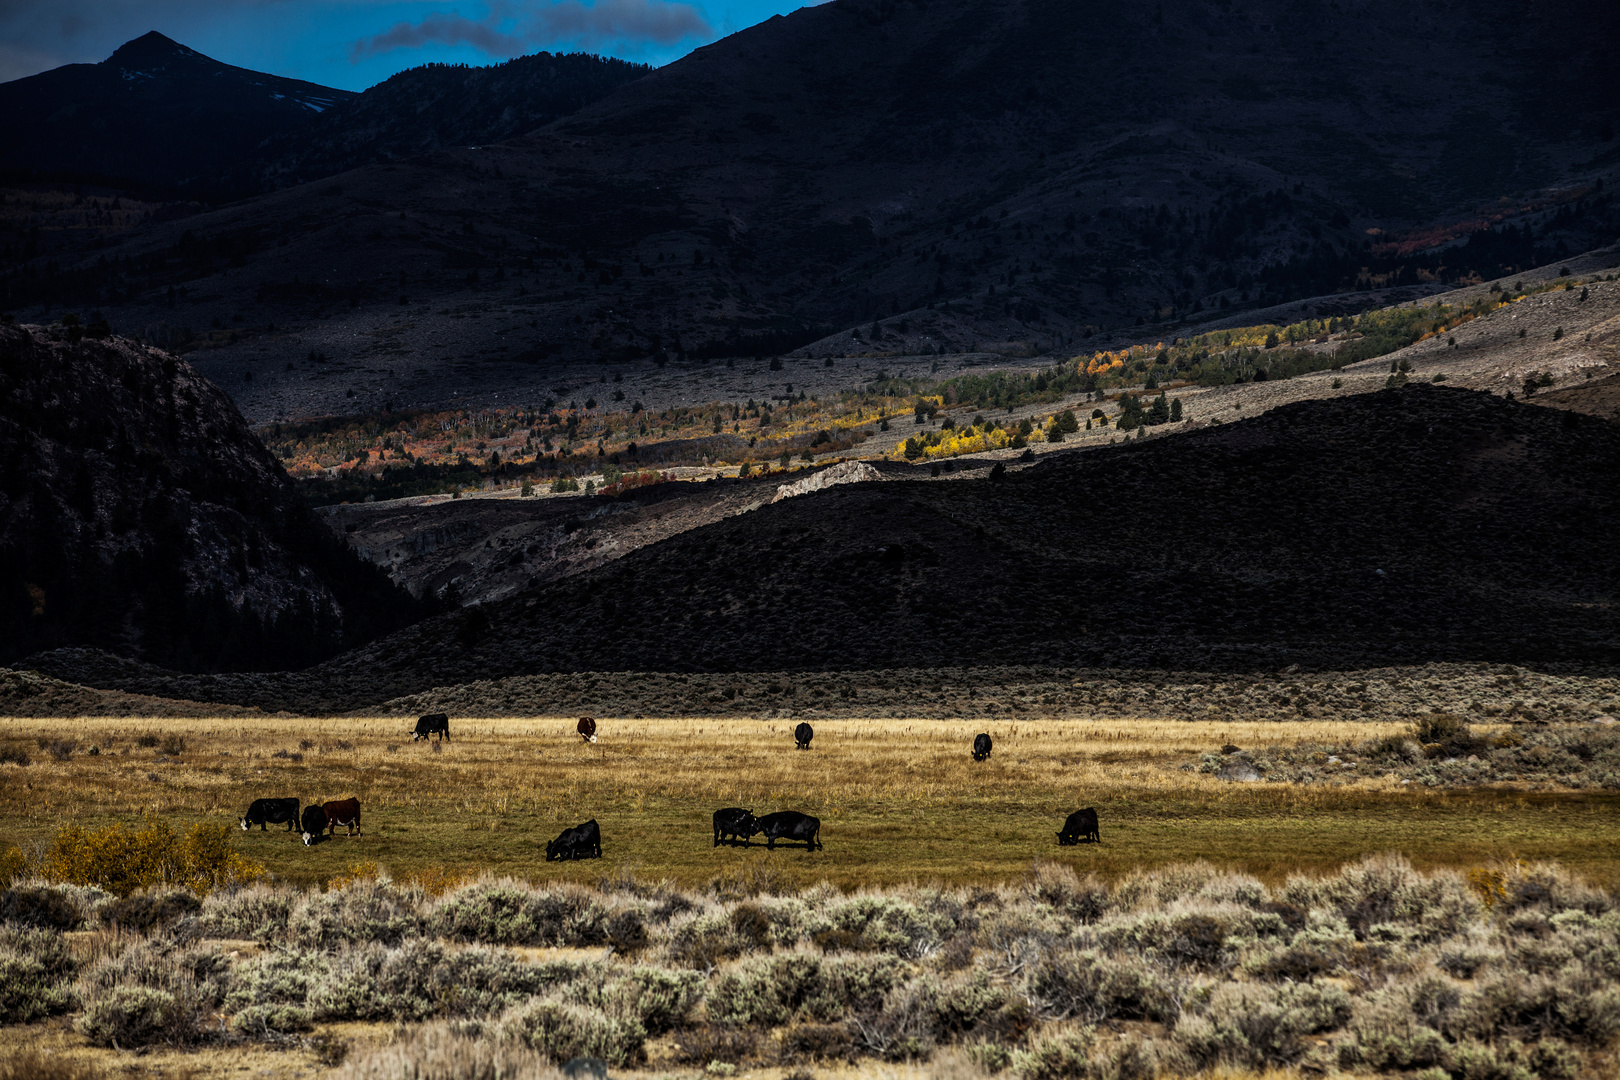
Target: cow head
{"type": "Point", "coordinates": [749, 825]}
{"type": "Point", "coordinates": [311, 838]}
{"type": "Point", "coordinates": [552, 850]}
{"type": "Point", "coordinates": [246, 824]}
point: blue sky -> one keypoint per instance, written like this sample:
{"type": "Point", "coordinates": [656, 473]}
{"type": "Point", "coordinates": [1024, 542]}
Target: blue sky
{"type": "Point", "coordinates": [354, 44]}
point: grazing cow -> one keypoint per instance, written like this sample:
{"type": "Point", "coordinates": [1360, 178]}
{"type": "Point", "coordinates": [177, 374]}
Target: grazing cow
{"type": "Point", "coordinates": [314, 824]}
{"type": "Point", "coordinates": [734, 822]}
{"type": "Point", "coordinates": [274, 811]}
{"type": "Point", "coordinates": [981, 746]}
{"type": "Point", "coordinates": [789, 825]}
{"type": "Point", "coordinates": [1081, 827]}
{"type": "Point", "coordinates": [580, 842]}
{"type": "Point", "coordinates": [802, 736]}
{"type": "Point", "coordinates": [342, 812]}
{"type": "Point", "coordinates": [586, 728]}
{"type": "Point", "coordinates": [432, 724]}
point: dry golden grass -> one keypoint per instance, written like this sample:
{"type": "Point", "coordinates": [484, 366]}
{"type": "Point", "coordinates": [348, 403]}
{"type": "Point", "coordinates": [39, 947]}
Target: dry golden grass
{"type": "Point", "coordinates": [899, 800]}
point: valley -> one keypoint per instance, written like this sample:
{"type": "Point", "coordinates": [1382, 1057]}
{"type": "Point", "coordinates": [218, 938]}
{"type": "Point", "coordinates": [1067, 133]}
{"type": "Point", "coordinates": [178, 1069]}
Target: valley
{"type": "Point", "coordinates": [1212, 403]}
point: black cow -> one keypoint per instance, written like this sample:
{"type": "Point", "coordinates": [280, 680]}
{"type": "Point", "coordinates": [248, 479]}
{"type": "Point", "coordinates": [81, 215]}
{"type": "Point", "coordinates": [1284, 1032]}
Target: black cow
{"type": "Point", "coordinates": [802, 736]}
{"type": "Point", "coordinates": [1081, 827]}
{"type": "Point", "coordinates": [981, 746]}
{"type": "Point", "coordinates": [789, 825]}
{"type": "Point", "coordinates": [432, 724]}
{"type": "Point", "coordinates": [274, 811]}
{"type": "Point", "coordinates": [314, 824]}
{"type": "Point", "coordinates": [736, 823]}
{"type": "Point", "coordinates": [580, 842]}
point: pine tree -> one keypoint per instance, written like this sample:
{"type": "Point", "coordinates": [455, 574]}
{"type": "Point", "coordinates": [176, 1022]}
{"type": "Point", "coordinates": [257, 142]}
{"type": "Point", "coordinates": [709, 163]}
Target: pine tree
{"type": "Point", "coordinates": [1175, 411]}
{"type": "Point", "coordinates": [1159, 412]}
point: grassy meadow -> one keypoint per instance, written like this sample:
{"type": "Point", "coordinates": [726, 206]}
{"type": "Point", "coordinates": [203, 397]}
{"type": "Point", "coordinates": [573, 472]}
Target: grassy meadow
{"type": "Point", "coordinates": [900, 801]}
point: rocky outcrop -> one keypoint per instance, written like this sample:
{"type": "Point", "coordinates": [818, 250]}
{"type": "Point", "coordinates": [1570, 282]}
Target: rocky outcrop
{"type": "Point", "coordinates": [140, 514]}
{"type": "Point", "coordinates": [845, 472]}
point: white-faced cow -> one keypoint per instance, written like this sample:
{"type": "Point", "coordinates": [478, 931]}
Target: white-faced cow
{"type": "Point", "coordinates": [1081, 827]}
{"type": "Point", "coordinates": [981, 746]}
{"type": "Point", "coordinates": [586, 728]}
{"type": "Point", "coordinates": [342, 812]}
{"type": "Point", "coordinates": [432, 724]}
{"type": "Point", "coordinates": [266, 812]}
{"type": "Point", "coordinates": [789, 825]}
{"type": "Point", "coordinates": [314, 824]}
{"type": "Point", "coordinates": [734, 822]}
{"type": "Point", "coordinates": [802, 736]}
{"type": "Point", "coordinates": [580, 842]}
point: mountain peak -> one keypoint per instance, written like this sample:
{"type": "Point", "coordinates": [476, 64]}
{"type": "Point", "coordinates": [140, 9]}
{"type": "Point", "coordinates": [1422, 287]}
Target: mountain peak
{"type": "Point", "coordinates": [148, 48]}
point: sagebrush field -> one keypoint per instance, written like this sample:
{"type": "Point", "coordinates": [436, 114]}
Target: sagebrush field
{"type": "Point", "coordinates": [1220, 927]}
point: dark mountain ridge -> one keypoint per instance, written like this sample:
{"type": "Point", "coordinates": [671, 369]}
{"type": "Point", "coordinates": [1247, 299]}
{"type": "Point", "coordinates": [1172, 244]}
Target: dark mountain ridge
{"type": "Point", "coordinates": [154, 113]}
{"type": "Point", "coordinates": [428, 108]}
{"type": "Point", "coordinates": [139, 514]}
{"type": "Point", "coordinates": [1030, 171]}
{"type": "Point", "coordinates": [1400, 527]}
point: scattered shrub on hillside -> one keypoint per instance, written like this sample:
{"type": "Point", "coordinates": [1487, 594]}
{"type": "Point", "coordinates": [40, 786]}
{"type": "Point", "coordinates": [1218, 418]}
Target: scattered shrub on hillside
{"type": "Point", "coordinates": [142, 911]}
{"type": "Point", "coordinates": [1090, 986]}
{"type": "Point", "coordinates": [50, 907]}
{"type": "Point", "coordinates": [515, 913]}
{"type": "Point", "coordinates": [270, 993]}
{"type": "Point", "coordinates": [771, 990]}
{"type": "Point", "coordinates": [368, 910]}
{"type": "Point", "coordinates": [562, 1031]}
{"type": "Point", "coordinates": [130, 1017]}
{"type": "Point", "coordinates": [1254, 1026]}
{"type": "Point", "coordinates": [258, 911]}
{"type": "Point", "coordinates": [1084, 900]}
{"type": "Point", "coordinates": [13, 754]}
{"type": "Point", "coordinates": [154, 992]}
{"type": "Point", "coordinates": [421, 979]}
{"type": "Point", "coordinates": [657, 999]}
{"type": "Point", "coordinates": [36, 974]}
{"type": "Point", "coordinates": [121, 859]}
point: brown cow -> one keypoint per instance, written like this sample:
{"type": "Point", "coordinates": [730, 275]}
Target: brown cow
{"type": "Point", "coordinates": [586, 728]}
{"type": "Point", "coordinates": [342, 812]}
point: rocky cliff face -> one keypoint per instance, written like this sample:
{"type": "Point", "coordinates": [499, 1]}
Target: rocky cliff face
{"type": "Point", "coordinates": [138, 513]}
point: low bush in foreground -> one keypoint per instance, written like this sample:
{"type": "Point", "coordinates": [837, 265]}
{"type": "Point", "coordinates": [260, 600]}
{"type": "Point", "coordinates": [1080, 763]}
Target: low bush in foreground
{"type": "Point", "coordinates": [1507, 971]}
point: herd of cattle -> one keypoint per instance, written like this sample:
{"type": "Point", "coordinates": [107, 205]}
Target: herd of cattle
{"type": "Point", "coordinates": [731, 825]}
{"type": "Point", "coordinates": [315, 820]}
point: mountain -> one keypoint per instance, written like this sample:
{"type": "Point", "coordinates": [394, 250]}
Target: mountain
{"type": "Point", "coordinates": [140, 515]}
{"type": "Point", "coordinates": [430, 107]}
{"type": "Point", "coordinates": [1397, 527]}
{"type": "Point", "coordinates": [154, 113]}
{"type": "Point", "coordinates": [1035, 176]}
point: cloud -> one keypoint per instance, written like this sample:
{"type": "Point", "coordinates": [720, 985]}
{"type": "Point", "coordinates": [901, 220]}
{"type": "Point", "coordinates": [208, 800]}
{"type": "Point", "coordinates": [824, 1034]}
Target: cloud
{"type": "Point", "coordinates": [510, 30]}
{"type": "Point", "coordinates": [437, 29]}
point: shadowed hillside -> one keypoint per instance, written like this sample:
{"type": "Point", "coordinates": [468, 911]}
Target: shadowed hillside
{"type": "Point", "coordinates": [429, 108]}
{"type": "Point", "coordinates": [1390, 528]}
{"type": "Point", "coordinates": [139, 514]}
{"type": "Point", "coordinates": [954, 175]}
